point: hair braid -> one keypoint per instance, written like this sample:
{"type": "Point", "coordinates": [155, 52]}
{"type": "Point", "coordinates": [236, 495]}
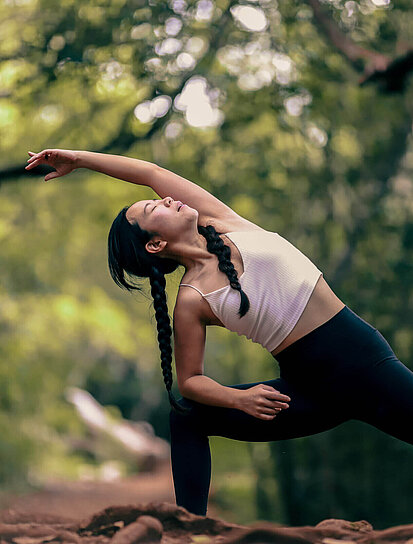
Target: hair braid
{"type": "Point", "coordinates": [216, 245]}
{"type": "Point", "coordinates": [163, 324]}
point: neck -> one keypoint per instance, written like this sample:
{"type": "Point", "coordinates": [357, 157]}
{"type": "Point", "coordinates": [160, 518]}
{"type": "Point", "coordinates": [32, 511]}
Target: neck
{"type": "Point", "coordinates": [191, 253]}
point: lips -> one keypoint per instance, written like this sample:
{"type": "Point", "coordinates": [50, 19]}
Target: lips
{"type": "Point", "coordinates": [180, 205]}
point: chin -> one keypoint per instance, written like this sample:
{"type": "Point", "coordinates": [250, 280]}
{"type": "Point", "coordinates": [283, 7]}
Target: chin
{"type": "Point", "coordinates": [188, 210]}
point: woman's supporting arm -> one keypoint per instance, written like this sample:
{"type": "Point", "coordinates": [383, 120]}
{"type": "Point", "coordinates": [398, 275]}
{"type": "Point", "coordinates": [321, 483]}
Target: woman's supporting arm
{"type": "Point", "coordinates": [189, 346]}
{"type": "Point", "coordinates": [207, 391]}
{"type": "Point", "coordinates": [260, 401]}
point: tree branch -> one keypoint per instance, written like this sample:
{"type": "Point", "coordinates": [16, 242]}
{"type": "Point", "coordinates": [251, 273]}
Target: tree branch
{"type": "Point", "coordinates": [343, 43]}
{"type": "Point", "coordinates": [391, 74]}
{"type": "Point", "coordinates": [125, 138]}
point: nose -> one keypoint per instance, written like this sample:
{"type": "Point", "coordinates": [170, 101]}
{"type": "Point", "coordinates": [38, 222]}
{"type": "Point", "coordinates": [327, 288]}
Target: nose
{"type": "Point", "coordinates": [168, 200]}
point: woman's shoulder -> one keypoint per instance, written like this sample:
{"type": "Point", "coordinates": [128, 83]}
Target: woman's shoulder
{"type": "Point", "coordinates": [189, 304]}
{"type": "Point", "coordinates": [191, 308]}
{"type": "Point", "coordinates": [234, 223]}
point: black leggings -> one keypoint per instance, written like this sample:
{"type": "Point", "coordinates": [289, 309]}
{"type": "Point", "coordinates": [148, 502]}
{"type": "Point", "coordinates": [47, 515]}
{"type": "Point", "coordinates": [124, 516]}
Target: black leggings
{"type": "Point", "coordinates": [342, 370]}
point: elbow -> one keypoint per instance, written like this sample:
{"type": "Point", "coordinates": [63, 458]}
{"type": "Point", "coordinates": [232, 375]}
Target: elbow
{"type": "Point", "coordinates": [181, 386]}
{"type": "Point", "coordinates": [187, 388]}
{"type": "Point", "coordinates": [183, 389]}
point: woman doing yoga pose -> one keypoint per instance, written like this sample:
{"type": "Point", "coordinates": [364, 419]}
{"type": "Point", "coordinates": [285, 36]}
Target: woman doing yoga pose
{"type": "Point", "coordinates": [334, 366]}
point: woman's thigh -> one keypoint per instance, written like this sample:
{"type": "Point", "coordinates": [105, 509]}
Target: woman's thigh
{"type": "Point", "coordinates": [306, 415]}
{"type": "Point", "coordinates": [387, 402]}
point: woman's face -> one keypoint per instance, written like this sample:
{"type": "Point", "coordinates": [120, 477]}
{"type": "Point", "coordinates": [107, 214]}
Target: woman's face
{"type": "Point", "coordinates": [167, 217]}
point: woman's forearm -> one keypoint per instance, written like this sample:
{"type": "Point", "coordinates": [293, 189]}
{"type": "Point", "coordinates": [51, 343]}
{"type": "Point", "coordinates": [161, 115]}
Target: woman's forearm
{"type": "Point", "coordinates": [120, 167]}
{"type": "Point", "coordinates": [202, 389]}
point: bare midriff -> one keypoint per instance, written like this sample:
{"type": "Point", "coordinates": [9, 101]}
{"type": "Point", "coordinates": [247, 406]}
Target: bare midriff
{"type": "Point", "coordinates": [322, 305]}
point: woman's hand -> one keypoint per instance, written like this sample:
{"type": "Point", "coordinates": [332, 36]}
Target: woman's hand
{"type": "Point", "coordinates": [263, 401]}
{"type": "Point", "coordinates": [63, 160]}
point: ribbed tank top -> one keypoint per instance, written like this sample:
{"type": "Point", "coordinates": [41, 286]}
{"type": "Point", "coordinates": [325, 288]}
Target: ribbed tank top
{"type": "Point", "coordinates": [278, 280]}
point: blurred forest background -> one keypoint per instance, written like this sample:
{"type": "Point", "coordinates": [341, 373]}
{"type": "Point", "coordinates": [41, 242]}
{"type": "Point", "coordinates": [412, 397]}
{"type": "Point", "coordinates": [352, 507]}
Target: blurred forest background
{"type": "Point", "coordinates": [296, 114]}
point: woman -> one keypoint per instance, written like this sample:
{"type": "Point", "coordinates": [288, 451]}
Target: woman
{"type": "Point", "coordinates": [334, 366]}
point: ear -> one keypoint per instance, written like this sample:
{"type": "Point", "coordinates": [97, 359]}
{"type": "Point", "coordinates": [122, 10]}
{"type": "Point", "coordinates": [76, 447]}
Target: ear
{"type": "Point", "coordinates": [155, 245]}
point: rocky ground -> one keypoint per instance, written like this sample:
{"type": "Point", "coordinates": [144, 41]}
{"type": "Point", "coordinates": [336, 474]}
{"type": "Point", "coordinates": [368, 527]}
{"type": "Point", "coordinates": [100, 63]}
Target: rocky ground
{"type": "Point", "coordinates": [142, 509]}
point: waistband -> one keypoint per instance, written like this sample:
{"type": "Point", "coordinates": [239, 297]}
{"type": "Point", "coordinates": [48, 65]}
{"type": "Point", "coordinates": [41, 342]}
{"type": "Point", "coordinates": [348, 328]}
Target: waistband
{"type": "Point", "coordinates": [344, 323]}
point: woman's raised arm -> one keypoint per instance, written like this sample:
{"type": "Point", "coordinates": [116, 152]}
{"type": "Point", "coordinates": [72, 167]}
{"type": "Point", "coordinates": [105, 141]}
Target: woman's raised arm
{"type": "Point", "coordinates": [162, 181]}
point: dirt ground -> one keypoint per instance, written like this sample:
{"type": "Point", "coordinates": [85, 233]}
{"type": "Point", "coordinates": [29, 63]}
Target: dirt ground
{"type": "Point", "coordinates": [76, 500]}
{"type": "Point", "coordinates": [142, 509]}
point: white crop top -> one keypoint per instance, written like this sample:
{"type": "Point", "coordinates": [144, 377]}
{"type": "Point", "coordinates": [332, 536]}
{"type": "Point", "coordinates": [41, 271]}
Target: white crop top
{"type": "Point", "coordinates": [278, 280]}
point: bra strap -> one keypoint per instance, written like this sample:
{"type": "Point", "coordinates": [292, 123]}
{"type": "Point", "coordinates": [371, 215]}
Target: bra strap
{"type": "Point", "coordinates": [196, 288]}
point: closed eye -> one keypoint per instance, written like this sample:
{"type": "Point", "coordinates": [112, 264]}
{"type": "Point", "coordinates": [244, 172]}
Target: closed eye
{"type": "Point", "coordinates": [147, 204]}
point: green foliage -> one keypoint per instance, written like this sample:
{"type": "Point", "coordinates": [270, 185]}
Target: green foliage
{"type": "Point", "coordinates": [303, 151]}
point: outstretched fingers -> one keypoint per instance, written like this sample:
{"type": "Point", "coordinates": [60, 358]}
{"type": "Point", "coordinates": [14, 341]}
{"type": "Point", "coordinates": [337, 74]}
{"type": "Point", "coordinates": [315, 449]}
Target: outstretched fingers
{"type": "Point", "coordinates": [44, 157]}
{"type": "Point", "coordinates": [37, 158]}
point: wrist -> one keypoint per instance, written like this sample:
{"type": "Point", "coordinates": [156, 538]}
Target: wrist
{"type": "Point", "coordinates": [79, 159]}
{"type": "Point", "coordinates": [237, 398]}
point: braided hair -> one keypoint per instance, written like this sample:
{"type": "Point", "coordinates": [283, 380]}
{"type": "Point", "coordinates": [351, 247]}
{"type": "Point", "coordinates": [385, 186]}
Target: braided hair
{"type": "Point", "coordinates": [128, 259]}
{"type": "Point", "coordinates": [216, 245]}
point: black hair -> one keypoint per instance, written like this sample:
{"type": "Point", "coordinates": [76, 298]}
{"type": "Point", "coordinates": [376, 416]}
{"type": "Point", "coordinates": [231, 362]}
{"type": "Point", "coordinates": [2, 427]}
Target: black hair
{"type": "Point", "coordinates": [128, 259]}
